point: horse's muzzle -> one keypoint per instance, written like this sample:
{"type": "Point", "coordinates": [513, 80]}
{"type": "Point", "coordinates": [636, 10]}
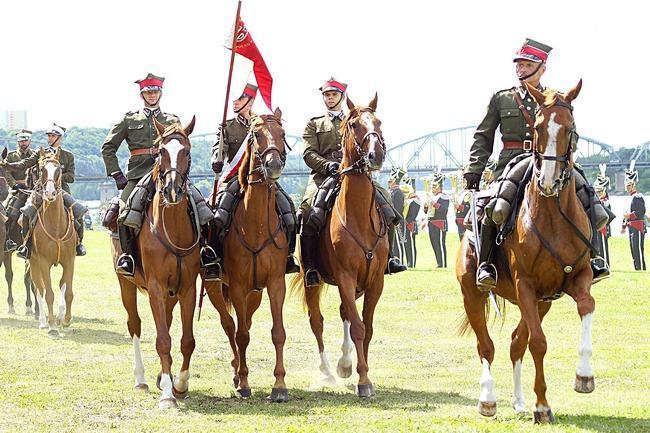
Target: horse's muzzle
{"type": "Point", "coordinates": [375, 160]}
{"type": "Point", "coordinates": [273, 166]}
{"type": "Point", "coordinates": [549, 190]}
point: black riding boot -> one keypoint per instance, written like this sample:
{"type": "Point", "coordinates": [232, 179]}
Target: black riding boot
{"type": "Point", "coordinates": [486, 274]}
{"type": "Point", "coordinates": [80, 250]}
{"type": "Point", "coordinates": [10, 244]}
{"type": "Point", "coordinates": [394, 264]}
{"type": "Point", "coordinates": [25, 250]}
{"type": "Point", "coordinates": [308, 247]}
{"type": "Point", "coordinates": [292, 266]}
{"type": "Point", "coordinates": [126, 262]}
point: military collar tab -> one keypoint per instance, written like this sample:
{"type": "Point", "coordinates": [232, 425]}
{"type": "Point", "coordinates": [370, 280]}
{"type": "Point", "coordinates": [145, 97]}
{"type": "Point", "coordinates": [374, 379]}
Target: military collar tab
{"type": "Point", "coordinates": [334, 114]}
{"type": "Point", "coordinates": [523, 91]}
{"type": "Point", "coordinates": [244, 121]}
{"type": "Point", "coordinates": [147, 111]}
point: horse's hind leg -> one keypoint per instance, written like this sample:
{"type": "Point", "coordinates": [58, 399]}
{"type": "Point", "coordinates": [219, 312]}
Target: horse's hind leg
{"type": "Point", "coordinates": [188, 303]}
{"type": "Point", "coordinates": [30, 287]}
{"type": "Point", "coordinates": [129, 294]}
{"type": "Point", "coordinates": [215, 293]}
{"type": "Point", "coordinates": [67, 295]}
{"type": "Point", "coordinates": [344, 366]}
{"type": "Point", "coordinates": [518, 347]}
{"type": "Point", "coordinates": [312, 299]}
{"type": "Point", "coordinates": [9, 276]}
{"type": "Point", "coordinates": [584, 382]}
{"type": "Point", "coordinates": [52, 326]}
{"type": "Point", "coordinates": [277, 291]}
{"type": "Point", "coordinates": [474, 303]}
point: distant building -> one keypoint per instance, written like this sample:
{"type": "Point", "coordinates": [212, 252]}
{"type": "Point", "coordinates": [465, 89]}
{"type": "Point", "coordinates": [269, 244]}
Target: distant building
{"type": "Point", "coordinates": [13, 119]}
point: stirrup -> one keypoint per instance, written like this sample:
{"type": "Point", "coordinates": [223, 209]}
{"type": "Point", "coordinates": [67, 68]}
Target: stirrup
{"type": "Point", "coordinates": [10, 245]}
{"type": "Point", "coordinates": [125, 265]}
{"type": "Point", "coordinates": [486, 285]}
{"type": "Point", "coordinates": [600, 272]}
{"type": "Point", "coordinates": [211, 272]}
{"type": "Point", "coordinates": [208, 256]}
{"type": "Point", "coordinates": [312, 278]}
{"type": "Point", "coordinates": [23, 252]}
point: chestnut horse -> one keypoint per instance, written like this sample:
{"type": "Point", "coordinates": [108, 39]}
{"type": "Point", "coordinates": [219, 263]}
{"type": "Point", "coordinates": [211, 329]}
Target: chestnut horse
{"type": "Point", "coordinates": [169, 264]}
{"type": "Point", "coordinates": [255, 251]}
{"type": "Point", "coordinates": [353, 246]}
{"type": "Point", "coordinates": [54, 239]}
{"type": "Point", "coordinates": [545, 255]}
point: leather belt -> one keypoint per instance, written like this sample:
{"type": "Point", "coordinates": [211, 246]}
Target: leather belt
{"type": "Point", "coordinates": [153, 151]}
{"type": "Point", "coordinates": [526, 145]}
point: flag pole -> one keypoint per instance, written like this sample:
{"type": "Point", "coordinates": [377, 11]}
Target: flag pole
{"type": "Point", "coordinates": [221, 128]}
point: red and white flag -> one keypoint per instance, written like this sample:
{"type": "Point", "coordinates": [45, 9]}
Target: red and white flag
{"type": "Point", "coordinates": [245, 46]}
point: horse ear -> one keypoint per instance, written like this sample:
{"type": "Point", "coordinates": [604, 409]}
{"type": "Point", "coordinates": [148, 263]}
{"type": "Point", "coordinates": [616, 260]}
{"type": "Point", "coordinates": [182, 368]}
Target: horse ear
{"type": "Point", "coordinates": [190, 126]}
{"type": "Point", "coordinates": [539, 96]}
{"type": "Point", "coordinates": [159, 127]}
{"type": "Point", "coordinates": [41, 152]}
{"type": "Point", "coordinates": [350, 103]}
{"type": "Point", "coordinates": [278, 113]}
{"type": "Point", "coordinates": [4, 153]}
{"type": "Point", "coordinates": [573, 93]}
{"type": "Point", "coordinates": [373, 103]}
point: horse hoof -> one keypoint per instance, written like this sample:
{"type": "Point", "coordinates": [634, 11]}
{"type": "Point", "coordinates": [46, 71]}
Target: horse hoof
{"type": "Point", "coordinates": [11, 310]}
{"type": "Point", "coordinates": [168, 403]}
{"type": "Point", "coordinates": [29, 311]}
{"type": "Point", "coordinates": [365, 390]}
{"type": "Point", "coordinates": [66, 323]}
{"type": "Point", "coordinates": [344, 372]}
{"type": "Point", "coordinates": [178, 394]}
{"type": "Point", "coordinates": [141, 387]}
{"type": "Point", "coordinates": [53, 333]}
{"type": "Point", "coordinates": [487, 408]}
{"type": "Point", "coordinates": [41, 326]}
{"type": "Point", "coordinates": [243, 393]}
{"type": "Point", "coordinates": [279, 395]}
{"type": "Point", "coordinates": [584, 385]}
{"type": "Point", "coordinates": [543, 417]}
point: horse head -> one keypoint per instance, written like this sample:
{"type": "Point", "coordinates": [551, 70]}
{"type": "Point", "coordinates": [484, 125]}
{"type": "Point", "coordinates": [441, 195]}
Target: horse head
{"type": "Point", "coordinates": [362, 138]}
{"type": "Point", "coordinates": [265, 153]}
{"type": "Point", "coordinates": [555, 138]}
{"type": "Point", "coordinates": [4, 187]}
{"type": "Point", "coordinates": [50, 174]}
{"type": "Point", "coordinates": [174, 160]}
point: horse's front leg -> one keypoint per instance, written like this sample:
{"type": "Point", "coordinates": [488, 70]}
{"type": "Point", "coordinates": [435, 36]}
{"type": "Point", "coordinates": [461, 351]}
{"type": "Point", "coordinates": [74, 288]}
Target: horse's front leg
{"type": "Point", "coordinates": [158, 303]}
{"type": "Point", "coordinates": [9, 277]}
{"type": "Point", "coordinates": [537, 346]}
{"type": "Point", "coordinates": [344, 366]}
{"type": "Point", "coordinates": [584, 382]}
{"type": "Point", "coordinates": [129, 294]}
{"type": "Point", "coordinates": [67, 295]}
{"type": "Point", "coordinates": [347, 290]}
{"type": "Point", "coordinates": [277, 290]}
{"type": "Point", "coordinates": [238, 296]}
{"type": "Point", "coordinates": [30, 287]}
{"type": "Point", "coordinates": [187, 299]}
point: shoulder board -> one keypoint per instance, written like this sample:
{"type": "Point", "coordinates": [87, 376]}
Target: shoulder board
{"type": "Point", "coordinates": [504, 91]}
{"type": "Point", "coordinates": [131, 113]}
{"type": "Point", "coordinates": [317, 117]}
{"type": "Point", "coordinates": [170, 115]}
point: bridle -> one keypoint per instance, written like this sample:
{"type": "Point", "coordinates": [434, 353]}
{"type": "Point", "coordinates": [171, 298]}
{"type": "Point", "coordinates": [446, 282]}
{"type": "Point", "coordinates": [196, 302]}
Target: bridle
{"type": "Point", "coordinates": [256, 166]}
{"type": "Point", "coordinates": [56, 181]}
{"type": "Point", "coordinates": [567, 170]}
{"type": "Point", "coordinates": [162, 175]}
{"type": "Point", "coordinates": [362, 164]}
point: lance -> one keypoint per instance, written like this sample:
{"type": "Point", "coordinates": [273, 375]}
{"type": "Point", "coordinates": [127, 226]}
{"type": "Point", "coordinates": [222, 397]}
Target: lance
{"type": "Point", "coordinates": [222, 126]}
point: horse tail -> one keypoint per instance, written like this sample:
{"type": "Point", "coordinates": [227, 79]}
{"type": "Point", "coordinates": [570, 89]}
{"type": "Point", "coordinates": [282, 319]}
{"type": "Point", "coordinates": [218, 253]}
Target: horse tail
{"type": "Point", "coordinates": [464, 327]}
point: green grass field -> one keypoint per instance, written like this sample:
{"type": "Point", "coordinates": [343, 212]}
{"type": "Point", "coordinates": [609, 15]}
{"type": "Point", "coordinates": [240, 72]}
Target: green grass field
{"type": "Point", "coordinates": [425, 374]}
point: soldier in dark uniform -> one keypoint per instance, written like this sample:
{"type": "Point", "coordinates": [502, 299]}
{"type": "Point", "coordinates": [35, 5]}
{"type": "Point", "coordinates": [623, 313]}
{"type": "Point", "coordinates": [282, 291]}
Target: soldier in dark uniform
{"type": "Point", "coordinates": [436, 207]}
{"type": "Point", "coordinates": [137, 128]}
{"type": "Point", "coordinates": [229, 147]}
{"type": "Point", "coordinates": [635, 219]}
{"type": "Point", "coordinates": [506, 112]}
{"type": "Point", "coordinates": [411, 210]}
{"type": "Point", "coordinates": [17, 181]}
{"type": "Point", "coordinates": [66, 158]}
{"type": "Point", "coordinates": [601, 185]}
{"type": "Point", "coordinates": [323, 155]}
{"type": "Point", "coordinates": [462, 209]}
{"type": "Point", "coordinates": [397, 198]}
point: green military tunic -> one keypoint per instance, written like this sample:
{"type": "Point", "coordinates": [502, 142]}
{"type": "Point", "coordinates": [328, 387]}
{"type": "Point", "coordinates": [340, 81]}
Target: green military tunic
{"type": "Point", "coordinates": [66, 159]}
{"type": "Point", "coordinates": [139, 132]}
{"type": "Point", "coordinates": [234, 135]}
{"type": "Point", "coordinates": [322, 139]}
{"type": "Point", "coordinates": [503, 112]}
{"type": "Point", "coordinates": [19, 175]}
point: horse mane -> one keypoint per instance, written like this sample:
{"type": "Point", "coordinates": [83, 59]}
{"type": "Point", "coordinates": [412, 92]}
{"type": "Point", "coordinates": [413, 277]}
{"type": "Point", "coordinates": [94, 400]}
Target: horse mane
{"type": "Point", "coordinates": [174, 128]}
{"type": "Point", "coordinates": [346, 138]}
{"type": "Point", "coordinates": [256, 124]}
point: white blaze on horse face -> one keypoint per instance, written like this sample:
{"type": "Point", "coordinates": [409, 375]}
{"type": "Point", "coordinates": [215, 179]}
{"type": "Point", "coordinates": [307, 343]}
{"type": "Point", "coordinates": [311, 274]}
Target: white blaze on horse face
{"type": "Point", "coordinates": [50, 186]}
{"type": "Point", "coordinates": [487, 384]}
{"type": "Point", "coordinates": [584, 366]}
{"type": "Point", "coordinates": [174, 148]}
{"type": "Point", "coordinates": [548, 167]}
{"type": "Point", "coordinates": [373, 139]}
{"type": "Point", "coordinates": [518, 400]}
